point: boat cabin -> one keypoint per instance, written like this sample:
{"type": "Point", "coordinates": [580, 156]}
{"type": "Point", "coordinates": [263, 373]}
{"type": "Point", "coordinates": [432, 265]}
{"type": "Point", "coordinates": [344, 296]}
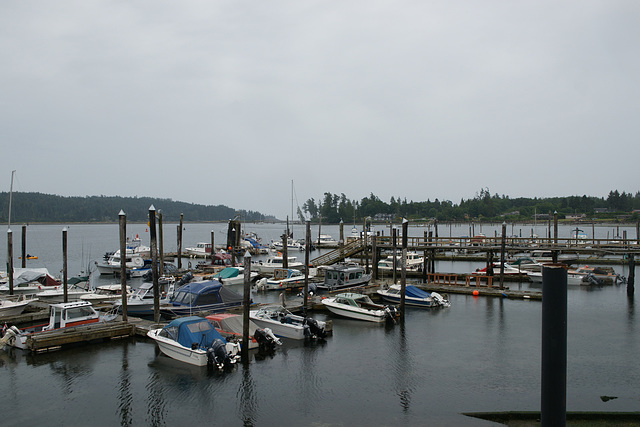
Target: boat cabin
{"type": "Point", "coordinates": [343, 276]}
{"type": "Point", "coordinates": [77, 313]}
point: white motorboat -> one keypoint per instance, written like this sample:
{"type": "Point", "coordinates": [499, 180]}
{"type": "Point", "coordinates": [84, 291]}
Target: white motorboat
{"type": "Point", "coordinates": [106, 293]}
{"type": "Point", "coordinates": [14, 305]}
{"type": "Point", "coordinates": [231, 325]}
{"type": "Point", "coordinates": [111, 263]}
{"type": "Point", "coordinates": [233, 276]}
{"type": "Point", "coordinates": [201, 249]}
{"type": "Point", "coordinates": [292, 245]}
{"type": "Point", "coordinates": [360, 307]}
{"type": "Point", "coordinates": [285, 324]}
{"type": "Point", "coordinates": [30, 281]}
{"type": "Point", "coordinates": [274, 262]}
{"type": "Point", "coordinates": [194, 340]}
{"type": "Point", "coordinates": [282, 279]}
{"type": "Point", "coordinates": [413, 296]}
{"type": "Point", "coordinates": [339, 276]}
{"type": "Point", "coordinates": [141, 302]}
{"type": "Point", "coordinates": [325, 240]}
{"type": "Point", "coordinates": [64, 315]}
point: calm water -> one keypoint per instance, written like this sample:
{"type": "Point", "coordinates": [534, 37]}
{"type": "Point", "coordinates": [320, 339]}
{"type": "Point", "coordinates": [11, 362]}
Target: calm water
{"type": "Point", "coordinates": [481, 354]}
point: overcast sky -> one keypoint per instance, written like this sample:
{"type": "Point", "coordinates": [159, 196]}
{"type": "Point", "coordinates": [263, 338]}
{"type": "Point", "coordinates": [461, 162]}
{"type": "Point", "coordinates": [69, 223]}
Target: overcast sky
{"type": "Point", "coordinates": [227, 102]}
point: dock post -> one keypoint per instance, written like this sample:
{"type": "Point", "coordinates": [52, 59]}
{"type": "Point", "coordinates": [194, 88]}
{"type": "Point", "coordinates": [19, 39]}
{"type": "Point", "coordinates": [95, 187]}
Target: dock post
{"type": "Point", "coordinates": [10, 260]}
{"type": "Point", "coordinates": [154, 261]}
{"type": "Point", "coordinates": [285, 249]}
{"type": "Point", "coordinates": [394, 248]}
{"type": "Point", "coordinates": [554, 253]}
{"type": "Point", "coordinates": [307, 249]}
{"type": "Point", "coordinates": [403, 280]}
{"type": "Point", "coordinates": [180, 242]}
{"type": "Point", "coordinates": [632, 275]}
{"type": "Point", "coordinates": [341, 241]}
{"type": "Point", "coordinates": [24, 246]}
{"type": "Point", "coordinates": [64, 266]}
{"type": "Point", "coordinates": [123, 268]}
{"type": "Point", "coordinates": [375, 257]}
{"type": "Point", "coordinates": [553, 409]}
{"type": "Point", "coordinates": [160, 242]}
{"type": "Point", "coordinates": [213, 248]}
{"type": "Point", "coordinates": [502, 245]}
{"type": "Point", "coordinates": [245, 307]}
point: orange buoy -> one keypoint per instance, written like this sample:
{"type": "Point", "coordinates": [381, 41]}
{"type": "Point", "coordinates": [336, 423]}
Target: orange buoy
{"type": "Point", "coordinates": [476, 293]}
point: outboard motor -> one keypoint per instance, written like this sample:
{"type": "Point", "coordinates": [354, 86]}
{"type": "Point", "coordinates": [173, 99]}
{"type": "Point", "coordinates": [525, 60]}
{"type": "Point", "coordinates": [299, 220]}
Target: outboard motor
{"type": "Point", "coordinates": [9, 336]}
{"type": "Point", "coordinates": [390, 313]}
{"type": "Point", "coordinates": [267, 341]}
{"type": "Point", "coordinates": [314, 329]}
{"type": "Point", "coordinates": [217, 355]}
{"type": "Point", "coordinates": [186, 278]}
{"type": "Point", "coordinates": [594, 280]}
{"type": "Point", "coordinates": [439, 300]}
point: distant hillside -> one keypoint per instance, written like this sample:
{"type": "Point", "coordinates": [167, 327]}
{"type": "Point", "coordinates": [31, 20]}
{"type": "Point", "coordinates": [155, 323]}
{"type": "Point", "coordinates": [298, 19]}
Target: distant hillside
{"type": "Point", "coordinates": [38, 207]}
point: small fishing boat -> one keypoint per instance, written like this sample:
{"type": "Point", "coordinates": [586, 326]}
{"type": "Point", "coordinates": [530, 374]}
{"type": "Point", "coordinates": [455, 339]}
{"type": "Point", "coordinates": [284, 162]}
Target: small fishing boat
{"type": "Point", "coordinates": [201, 249]}
{"type": "Point", "coordinates": [325, 240]}
{"type": "Point", "coordinates": [413, 296]}
{"type": "Point", "coordinates": [285, 324]}
{"type": "Point", "coordinates": [14, 305]}
{"type": "Point", "coordinates": [360, 307]}
{"type": "Point", "coordinates": [272, 263]}
{"type": "Point", "coordinates": [339, 276]}
{"type": "Point", "coordinates": [106, 293]}
{"type": "Point", "coordinates": [141, 302]}
{"type": "Point", "coordinates": [230, 327]}
{"type": "Point", "coordinates": [61, 316]}
{"type": "Point", "coordinates": [194, 340]}
{"type": "Point", "coordinates": [233, 276]}
{"type": "Point", "coordinates": [282, 279]}
{"type": "Point", "coordinates": [30, 281]}
{"type": "Point", "coordinates": [111, 262]}
{"type": "Point", "coordinates": [76, 288]}
{"type": "Point", "coordinates": [206, 296]}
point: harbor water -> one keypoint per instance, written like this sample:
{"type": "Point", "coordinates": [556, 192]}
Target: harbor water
{"type": "Point", "coordinates": [481, 354]}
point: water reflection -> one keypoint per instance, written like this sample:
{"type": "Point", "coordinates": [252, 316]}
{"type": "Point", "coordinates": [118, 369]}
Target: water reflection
{"type": "Point", "coordinates": [156, 406]}
{"type": "Point", "coordinates": [247, 401]}
{"type": "Point", "coordinates": [125, 396]}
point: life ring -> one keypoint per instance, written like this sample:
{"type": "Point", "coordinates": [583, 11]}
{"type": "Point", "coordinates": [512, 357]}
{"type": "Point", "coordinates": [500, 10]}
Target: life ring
{"type": "Point", "coordinates": [138, 262]}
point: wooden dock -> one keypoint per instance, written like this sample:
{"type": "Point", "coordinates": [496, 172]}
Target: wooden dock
{"type": "Point", "coordinates": [54, 340]}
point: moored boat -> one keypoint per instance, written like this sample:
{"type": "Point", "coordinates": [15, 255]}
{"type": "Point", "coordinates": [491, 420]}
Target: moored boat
{"type": "Point", "coordinates": [14, 305]}
{"type": "Point", "coordinates": [282, 279]}
{"type": "Point", "coordinates": [413, 296]}
{"type": "Point", "coordinates": [206, 296]}
{"type": "Point", "coordinates": [230, 326]}
{"type": "Point", "coordinates": [285, 324]}
{"type": "Point", "coordinates": [194, 340]}
{"type": "Point", "coordinates": [233, 276]}
{"type": "Point", "coordinates": [340, 276]}
{"type": "Point", "coordinates": [269, 266]}
{"type": "Point", "coordinates": [360, 307]}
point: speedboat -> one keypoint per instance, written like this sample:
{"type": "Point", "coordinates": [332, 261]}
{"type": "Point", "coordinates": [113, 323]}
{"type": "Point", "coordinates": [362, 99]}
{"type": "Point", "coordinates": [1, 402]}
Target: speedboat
{"type": "Point", "coordinates": [341, 276]}
{"type": "Point", "coordinates": [325, 240]}
{"type": "Point", "coordinates": [201, 249]}
{"type": "Point", "coordinates": [14, 305]}
{"type": "Point", "coordinates": [285, 324]}
{"type": "Point", "coordinates": [106, 293]}
{"type": "Point", "coordinates": [195, 297]}
{"type": "Point", "coordinates": [30, 281]}
{"type": "Point", "coordinates": [76, 288]}
{"type": "Point", "coordinates": [269, 266]}
{"type": "Point", "coordinates": [233, 276]}
{"type": "Point", "coordinates": [508, 270]}
{"type": "Point", "coordinates": [282, 279]}
{"type": "Point", "coordinates": [194, 340]}
{"type": "Point", "coordinates": [111, 263]}
{"type": "Point", "coordinates": [292, 245]}
{"type": "Point", "coordinates": [413, 296]}
{"type": "Point", "coordinates": [230, 326]}
{"type": "Point", "coordinates": [360, 307]}
{"type": "Point", "coordinates": [61, 316]}
{"type": "Point", "coordinates": [141, 302]}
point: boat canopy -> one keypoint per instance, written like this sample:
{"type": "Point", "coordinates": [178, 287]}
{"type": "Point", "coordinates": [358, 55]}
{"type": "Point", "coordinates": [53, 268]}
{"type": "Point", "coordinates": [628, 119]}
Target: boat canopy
{"type": "Point", "coordinates": [227, 273]}
{"type": "Point", "coordinates": [192, 331]}
{"type": "Point", "coordinates": [415, 292]}
{"type": "Point", "coordinates": [203, 293]}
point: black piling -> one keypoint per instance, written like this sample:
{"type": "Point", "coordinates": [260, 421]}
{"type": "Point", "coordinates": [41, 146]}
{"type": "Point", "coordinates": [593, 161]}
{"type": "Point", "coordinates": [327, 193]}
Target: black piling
{"type": "Point", "coordinates": [632, 275]}
{"type": "Point", "coordinates": [553, 408]}
{"type": "Point", "coordinates": [10, 259]}
{"type": "Point", "coordinates": [123, 267]}
{"type": "Point", "coordinates": [179, 237]}
{"type": "Point", "coordinates": [307, 250]}
{"type": "Point", "coordinates": [24, 246]}
{"type": "Point", "coordinates": [403, 280]}
{"type": "Point", "coordinates": [154, 262]}
{"type": "Point", "coordinates": [245, 306]}
{"type": "Point", "coordinates": [64, 266]}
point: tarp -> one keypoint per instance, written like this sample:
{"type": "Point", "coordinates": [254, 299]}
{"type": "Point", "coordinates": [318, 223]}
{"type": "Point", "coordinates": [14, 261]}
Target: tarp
{"type": "Point", "coordinates": [412, 291]}
{"type": "Point", "coordinates": [194, 329]}
{"type": "Point", "coordinates": [227, 273]}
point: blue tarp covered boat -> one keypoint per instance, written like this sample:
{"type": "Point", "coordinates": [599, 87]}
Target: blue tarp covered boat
{"type": "Point", "coordinates": [207, 296]}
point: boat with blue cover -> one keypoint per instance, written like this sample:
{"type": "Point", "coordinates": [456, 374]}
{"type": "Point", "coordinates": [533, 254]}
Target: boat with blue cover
{"type": "Point", "coordinates": [207, 296]}
{"type": "Point", "coordinates": [413, 296]}
{"type": "Point", "coordinates": [194, 340]}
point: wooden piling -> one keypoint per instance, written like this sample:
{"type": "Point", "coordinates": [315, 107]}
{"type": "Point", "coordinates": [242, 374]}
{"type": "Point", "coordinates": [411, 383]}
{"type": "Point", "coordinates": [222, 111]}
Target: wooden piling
{"type": "Point", "coordinates": [180, 242]}
{"type": "Point", "coordinates": [123, 268]}
{"type": "Point", "coordinates": [64, 266]}
{"type": "Point", "coordinates": [154, 261]}
{"type": "Point", "coordinates": [403, 279]}
{"type": "Point", "coordinates": [502, 248]}
{"type": "Point", "coordinates": [24, 246]}
{"type": "Point", "coordinates": [161, 242]}
{"type": "Point", "coordinates": [245, 306]}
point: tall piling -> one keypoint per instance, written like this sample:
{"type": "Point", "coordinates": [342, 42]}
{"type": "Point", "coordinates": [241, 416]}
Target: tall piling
{"type": "Point", "coordinates": [122, 217]}
{"type": "Point", "coordinates": [154, 262]}
{"type": "Point", "coordinates": [632, 276]}
{"type": "Point", "coordinates": [554, 253]}
{"type": "Point", "coordinates": [245, 307]}
{"type": "Point", "coordinates": [65, 286]}
{"type": "Point", "coordinates": [403, 277]}
{"type": "Point", "coordinates": [161, 242]}
{"type": "Point", "coordinates": [24, 246]}
{"type": "Point", "coordinates": [502, 248]}
{"type": "Point", "coordinates": [553, 409]}
{"type": "Point", "coordinates": [179, 242]}
{"type": "Point", "coordinates": [307, 250]}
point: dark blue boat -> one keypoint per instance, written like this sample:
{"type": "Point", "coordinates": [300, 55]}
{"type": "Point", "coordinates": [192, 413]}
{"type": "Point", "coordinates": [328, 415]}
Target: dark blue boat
{"type": "Point", "coordinates": [207, 297]}
{"type": "Point", "coordinates": [413, 296]}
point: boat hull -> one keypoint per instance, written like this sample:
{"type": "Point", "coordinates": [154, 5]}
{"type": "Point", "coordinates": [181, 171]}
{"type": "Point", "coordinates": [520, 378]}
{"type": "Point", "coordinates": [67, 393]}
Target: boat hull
{"type": "Point", "coordinates": [279, 329]}
{"type": "Point", "coordinates": [172, 349]}
{"type": "Point", "coordinates": [377, 316]}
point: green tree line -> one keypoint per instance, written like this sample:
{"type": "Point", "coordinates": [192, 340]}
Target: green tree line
{"type": "Point", "coordinates": [38, 207]}
{"type": "Point", "coordinates": [333, 208]}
